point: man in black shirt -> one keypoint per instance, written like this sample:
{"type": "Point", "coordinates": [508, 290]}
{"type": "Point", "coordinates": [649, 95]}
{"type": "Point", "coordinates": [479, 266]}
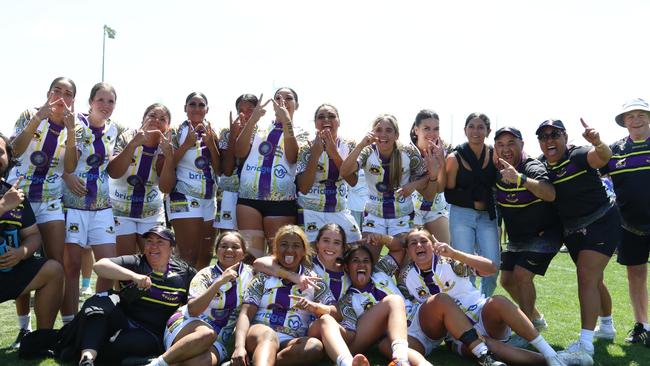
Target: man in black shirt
{"type": "Point", "coordinates": [524, 196]}
{"type": "Point", "coordinates": [20, 272]}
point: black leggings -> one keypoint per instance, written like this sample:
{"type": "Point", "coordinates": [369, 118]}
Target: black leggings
{"type": "Point", "coordinates": [115, 339]}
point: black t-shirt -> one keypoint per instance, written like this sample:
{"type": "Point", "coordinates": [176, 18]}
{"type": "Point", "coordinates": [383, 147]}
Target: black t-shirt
{"type": "Point", "coordinates": [629, 169]}
{"type": "Point", "coordinates": [11, 222]}
{"type": "Point", "coordinates": [578, 189]}
{"type": "Point", "coordinates": [169, 290]}
{"type": "Point", "coordinates": [525, 215]}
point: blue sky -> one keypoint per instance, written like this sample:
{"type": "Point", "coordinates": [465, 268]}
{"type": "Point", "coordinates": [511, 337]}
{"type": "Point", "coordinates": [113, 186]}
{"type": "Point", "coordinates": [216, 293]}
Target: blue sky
{"type": "Point", "coordinates": [520, 62]}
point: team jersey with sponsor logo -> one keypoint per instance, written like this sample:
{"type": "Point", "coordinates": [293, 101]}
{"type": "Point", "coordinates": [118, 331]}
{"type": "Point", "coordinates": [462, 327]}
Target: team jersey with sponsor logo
{"type": "Point", "coordinates": [629, 169]}
{"type": "Point", "coordinates": [194, 174]}
{"type": "Point", "coordinates": [276, 309]}
{"type": "Point", "coordinates": [419, 202]}
{"type": "Point", "coordinates": [329, 191]}
{"type": "Point", "coordinates": [446, 276]}
{"type": "Point", "coordinates": [95, 147]}
{"type": "Point", "coordinates": [266, 174]}
{"type": "Point", "coordinates": [14, 220]}
{"type": "Point", "coordinates": [231, 183]}
{"type": "Point", "coordinates": [525, 215]}
{"type": "Point", "coordinates": [356, 301]}
{"type": "Point", "coordinates": [223, 309]}
{"type": "Point", "coordinates": [338, 282]}
{"type": "Point", "coordinates": [41, 165]}
{"type": "Point", "coordinates": [168, 291]}
{"type": "Point", "coordinates": [578, 189]}
{"type": "Point", "coordinates": [381, 196]}
{"type": "Point", "coordinates": [136, 193]}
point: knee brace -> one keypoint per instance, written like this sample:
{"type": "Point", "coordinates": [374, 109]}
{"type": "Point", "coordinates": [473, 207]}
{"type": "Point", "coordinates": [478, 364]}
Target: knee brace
{"type": "Point", "coordinates": [468, 337]}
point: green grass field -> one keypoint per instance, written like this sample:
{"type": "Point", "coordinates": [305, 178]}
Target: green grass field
{"type": "Point", "coordinates": [557, 299]}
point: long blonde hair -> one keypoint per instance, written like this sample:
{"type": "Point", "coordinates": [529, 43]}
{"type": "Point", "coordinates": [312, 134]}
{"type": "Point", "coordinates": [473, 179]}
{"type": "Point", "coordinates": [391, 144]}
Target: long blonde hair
{"type": "Point", "coordinates": [395, 162]}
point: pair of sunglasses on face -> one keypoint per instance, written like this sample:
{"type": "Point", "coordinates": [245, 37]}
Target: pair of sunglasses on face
{"type": "Point", "coordinates": [552, 136]}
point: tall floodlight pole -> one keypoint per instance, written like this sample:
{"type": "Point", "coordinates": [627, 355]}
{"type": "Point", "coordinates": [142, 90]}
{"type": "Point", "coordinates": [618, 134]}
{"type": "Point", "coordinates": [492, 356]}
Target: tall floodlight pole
{"type": "Point", "coordinates": [110, 32]}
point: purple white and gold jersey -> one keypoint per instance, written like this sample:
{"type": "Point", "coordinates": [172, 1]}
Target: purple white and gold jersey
{"type": "Point", "coordinates": [266, 174]}
{"type": "Point", "coordinates": [194, 174]}
{"type": "Point", "coordinates": [446, 276]}
{"type": "Point", "coordinates": [338, 282]}
{"type": "Point", "coordinates": [95, 147]}
{"type": "Point", "coordinates": [381, 196]}
{"type": "Point", "coordinates": [136, 193]}
{"type": "Point", "coordinates": [329, 191]}
{"type": "Point", "coordinates": [356, 302]}
{"type": "Point", "coordinates": [223, 309]}
{"type": "Point", "coordinates": [276, 309]}
{"type": "Point", "coordinates": [231, 183]}
{"type": "Point", "coordinates": [41, 165]}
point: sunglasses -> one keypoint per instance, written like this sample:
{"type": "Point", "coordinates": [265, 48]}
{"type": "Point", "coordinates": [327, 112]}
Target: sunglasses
{"type": "Point", "coordinates": [553, 136]}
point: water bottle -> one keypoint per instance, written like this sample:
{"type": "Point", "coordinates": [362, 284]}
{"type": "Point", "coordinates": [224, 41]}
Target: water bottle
{"type": "Point", "coordinates": [3, 250]}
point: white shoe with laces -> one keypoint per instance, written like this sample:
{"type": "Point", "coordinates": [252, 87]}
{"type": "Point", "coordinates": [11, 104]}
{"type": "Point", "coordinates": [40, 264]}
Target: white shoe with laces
{"type": "Point", "coordinates": [555, 361]}
{"type": "Point", "coordinates": [577, 354]}
{"type": "Point", "coordinates": [606, 333]}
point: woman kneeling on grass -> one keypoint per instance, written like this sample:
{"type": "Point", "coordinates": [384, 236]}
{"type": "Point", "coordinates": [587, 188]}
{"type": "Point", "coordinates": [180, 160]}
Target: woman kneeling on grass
{"type": "Point", "coordinates": [438, 268]}
{"type": "Point", "coordinates": [197, 334]}
{"type": "Point", "coordinates": [273, 321]}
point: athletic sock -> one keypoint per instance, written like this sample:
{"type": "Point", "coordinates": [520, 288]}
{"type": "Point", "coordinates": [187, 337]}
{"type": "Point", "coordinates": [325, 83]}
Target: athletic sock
{"type": "Point", "coordinates": [543, 347]}
{"type": "Point", "coordinates": [400, 349]}
{"type": "Point", "coordinates": [25, 321]}
{"type": "Point", "coordinates": [66, 319]}
{"type": "Point", "coordinates": [479, 350]}
{"type": "Point", "coordinates": [85, 282]}
{"type": "Point", "coordinates": [344, 360]}
{"type": "Point", "coordinates": [606, 322]}
{"type": "Point", "coordinates": [646, 326]}
{"type": "Point", "coordinates": [587, 339]}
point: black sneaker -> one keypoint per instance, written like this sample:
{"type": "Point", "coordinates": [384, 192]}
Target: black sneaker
{"type": "Point", "coordinates": [21, 334]}
{"type": "Point", "coordinates": [487, 359]}
{"type": "Point", "coordinates": [638, 334]}
{"type": "Point", "coordinates": [86, 361]}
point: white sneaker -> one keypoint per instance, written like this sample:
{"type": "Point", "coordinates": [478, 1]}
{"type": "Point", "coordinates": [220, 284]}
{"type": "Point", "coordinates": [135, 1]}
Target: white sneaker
{"type": "Point", "coordinates": [540, 323]}
{"type": "Point", "coordinates": [555, 361]}
{"type": "Point", "coordinates": [576, 354]}
{"type": "Point", "coordinates": [608, 333]}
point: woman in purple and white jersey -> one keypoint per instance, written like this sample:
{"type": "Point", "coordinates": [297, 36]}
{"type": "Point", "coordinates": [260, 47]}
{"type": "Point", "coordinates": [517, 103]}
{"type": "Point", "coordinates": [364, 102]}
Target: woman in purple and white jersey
{"type": "Point", "coordinates": [142, 169]}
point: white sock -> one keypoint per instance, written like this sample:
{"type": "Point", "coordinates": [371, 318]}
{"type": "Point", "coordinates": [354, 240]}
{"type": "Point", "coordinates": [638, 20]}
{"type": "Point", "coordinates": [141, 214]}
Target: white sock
{"type": "Point", "coordinates": [543, 347]}
{"type": "Point", "coordinates": [66, 319]}
{"type": "Point", "coordinates": [606, 322]}
{"type": "Point", "coordinates": [25, 321]}
{"type": "Point", "coordinates": [587, 338]}
{"type": "Point", "coordinates": [646, 326]}
{"type": "Point", "coordinates": [400, 349]}
{"type": "Point", "coordinates": [479, 350]}
{"type": "Point", "coordinates": [344, 360]}
{"type": "Point", "coordinates": [160, 361]}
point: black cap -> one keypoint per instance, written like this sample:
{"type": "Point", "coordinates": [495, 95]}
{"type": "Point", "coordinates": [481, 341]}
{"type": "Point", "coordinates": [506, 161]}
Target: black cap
{"type": "Point", "coordinates": [555, 123]}
{"type": "Point", "coordinates": [511, 130]}
{"type": "Point", "coordinates": [162, 232]}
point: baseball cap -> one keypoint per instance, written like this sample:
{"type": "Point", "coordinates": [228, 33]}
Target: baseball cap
{"type": "Point", "coordinates": [511, 130]}
{"type": "Point", "coordinates": [555, 123]}
{"type": "Point", "coordinates": [636, 104]}
{"type": "Point", "coordinates": [162, 232]}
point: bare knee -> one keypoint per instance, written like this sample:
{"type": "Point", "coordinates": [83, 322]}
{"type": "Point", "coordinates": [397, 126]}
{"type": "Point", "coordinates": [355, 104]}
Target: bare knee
{"type": "Point", "coordinates": [507, 280]}
{"type": "Point", "coordinates": [313, 348]}
{"type": "Point", "coordinates": [394, 301]}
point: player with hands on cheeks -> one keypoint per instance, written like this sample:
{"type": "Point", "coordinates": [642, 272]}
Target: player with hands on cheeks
{"type": "Point", "coordinates": [141, 170]}
{"type": "Point", "coordinates": [191, 205]}
{"type": "Point", "coordinates": [267, 189]}
{"type": "Point", "coordinates": [226, 217]}
{"type": "Point", "coordinates": [322, 189]}
{"type": "Point", "coordinates": [387, 166]}
{"type": "Point", "coordinates": [425, 135]}
{"type": "Point", "coordinates": [524, 196]}
{"type": "Point", "coordinates": [273, 323]}
{"type": "Point", "coordinates": [591, 224]}
{"type": "Point", "coordinates": [199, 332]}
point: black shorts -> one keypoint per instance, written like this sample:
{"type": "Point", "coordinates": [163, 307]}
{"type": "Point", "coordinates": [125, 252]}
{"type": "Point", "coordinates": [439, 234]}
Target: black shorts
{"type": "Point", "coordinates": [633, 249]}
{"type": "Point", "coordinates": [602, 236]}
{"type": "Point", "coordinates": [15, 281]}
{"type": "Point", "coordinates": [535, 262]}
{"type": "Point", "coordinates": [271, 208]}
